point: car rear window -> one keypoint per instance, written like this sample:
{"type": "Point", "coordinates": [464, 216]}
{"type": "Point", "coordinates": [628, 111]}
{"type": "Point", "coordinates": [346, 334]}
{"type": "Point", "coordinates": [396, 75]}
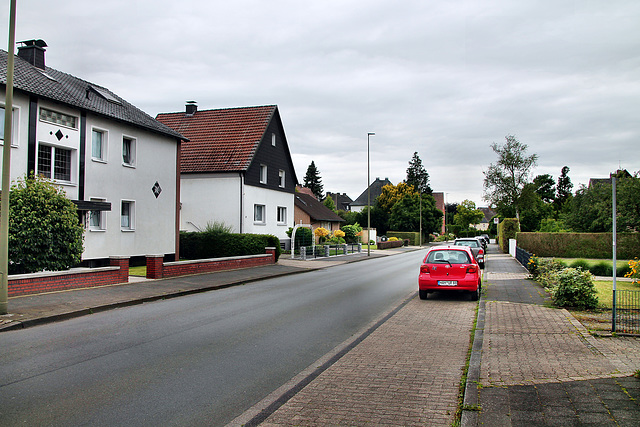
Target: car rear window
{"type": "Point", "coordinates": [470, 243]}
{"type": "Point", "coordinates": [448, 256]}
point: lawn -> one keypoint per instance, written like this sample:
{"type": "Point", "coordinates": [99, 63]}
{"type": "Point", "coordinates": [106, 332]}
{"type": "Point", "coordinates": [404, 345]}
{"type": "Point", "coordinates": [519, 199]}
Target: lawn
{"type": "Point", "coordinates": [138, 271]}
{"type": "Point", "coordinates": [593, 261]}
{"type": "Point", "coordinates": [605, 291]}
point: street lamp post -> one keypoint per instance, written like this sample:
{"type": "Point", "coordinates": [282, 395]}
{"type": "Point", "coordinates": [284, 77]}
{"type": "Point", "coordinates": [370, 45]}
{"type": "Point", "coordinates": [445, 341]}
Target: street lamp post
{"type": "Point", "coordinates": [369, 196]}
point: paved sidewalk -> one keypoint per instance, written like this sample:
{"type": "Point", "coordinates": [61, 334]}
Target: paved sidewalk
{"type": "Point", "coordinates": [540, 366]}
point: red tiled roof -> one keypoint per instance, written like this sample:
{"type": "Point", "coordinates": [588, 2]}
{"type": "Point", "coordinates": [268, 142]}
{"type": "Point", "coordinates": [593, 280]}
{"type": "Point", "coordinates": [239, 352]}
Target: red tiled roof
{"type": "Point", "coordinates": [219, 140]}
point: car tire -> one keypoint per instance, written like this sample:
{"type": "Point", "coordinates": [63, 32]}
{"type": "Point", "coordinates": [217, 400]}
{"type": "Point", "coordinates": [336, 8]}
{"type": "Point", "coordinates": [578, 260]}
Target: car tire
{"type": "Point", "coordinates": [475, 295]}
{"type": "Point", "coordinates": [423, 294]}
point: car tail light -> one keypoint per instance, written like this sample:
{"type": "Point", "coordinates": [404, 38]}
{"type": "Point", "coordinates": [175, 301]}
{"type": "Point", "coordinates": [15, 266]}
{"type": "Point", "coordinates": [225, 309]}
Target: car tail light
{"type": "Point", "coordinates": [481, 251]}
{"type": "Point", "coordinates": [472, 268]}
{"type": "Point", "coordinates": [424, 269]}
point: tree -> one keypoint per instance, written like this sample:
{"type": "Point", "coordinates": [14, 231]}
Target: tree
{"type": "Point", "coordinates": [44, 230]}
{"type": "Point", "coordinates": [313, 181]}
{"type": "Point", "coordinates": [533, 209]}
{"type": "Point", "coordinates": [391, 194]}
{"type": "Point", "coordinates": [544, 187]}
{"type": "Point", "coordinates": [328, 202]}
{"type": "Point", "coordinates": [504, 181]}
{"type": "Point", "coordinates": [405, 214]}
{"type": "Point", "coordinates": [467, 214]}
{"type": "Point", "coordinates": [417, 175]}
{"type": "Point", "coordinates": [563, 189]}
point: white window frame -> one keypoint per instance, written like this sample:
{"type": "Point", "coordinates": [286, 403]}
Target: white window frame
{"type": "Point", "coordinates": [259, 214]}
{"type": "Point", "coordinates": [15, 125]}
{"type": "Point", "coordinates": [101, 215]}
{"type": "Point", "coordinates": [132, 154]}
{"type": "Point", "coordinates": [51, 173]}
{"type": "Point", "coordinates": [130, 223]}
{"type": "Point", "coordinates": [57, 118]}
{"type": "Point", "coordinates": [282, 215]}
{"type": "Point", "coordinates": [104, 145]}
{"type": "Point", "coordinates": [281, 178]}
{"type": "Point", "coordinates": [273, 139]}
{"type": "Point", "coordinates": [263, 174]}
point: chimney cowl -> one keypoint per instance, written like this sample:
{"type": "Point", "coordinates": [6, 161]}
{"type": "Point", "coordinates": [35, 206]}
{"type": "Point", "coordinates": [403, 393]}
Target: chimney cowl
{"type": "Point", "coordinates": [32, 51]}
{"type": "Point", "coordinates": [191, 108]}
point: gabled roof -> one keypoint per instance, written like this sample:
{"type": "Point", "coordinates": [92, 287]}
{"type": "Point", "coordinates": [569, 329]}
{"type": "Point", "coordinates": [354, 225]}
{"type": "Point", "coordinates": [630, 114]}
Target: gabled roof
{"type": "Point", "coordinates": [376, 190]}
{"type": "Point", "coordinates": [341, 201]}
{"type": "Point", "coordinates": [315, 209]}
{"type": "Point", "coordinates": [223, 140]}
{"type": "Point", "coordinates": [66, 89]}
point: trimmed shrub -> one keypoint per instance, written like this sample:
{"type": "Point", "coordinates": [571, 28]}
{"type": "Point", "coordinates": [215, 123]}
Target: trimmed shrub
{"type": "Point", "coordinates": [508, 228]}
{"type": "Point", "coordinates": [580, 245]}
{"type": "Point", "coordinates": [204, 245]}
{"type": "Point", "coordinates": [601, 269]}
{"type": "Point", "coordinates": [575, 289]}
{"type": "Point", "coordinates": [390, 244]}
{"type": "Point", "coordinates": [580, 263]}
{"type": "Point", "coordinates": [412, 236]}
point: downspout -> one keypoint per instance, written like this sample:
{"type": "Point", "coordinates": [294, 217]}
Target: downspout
{"type": "Point", "coordinates": [31, 138]}
{"type": "Point", "coordinates": [241, 175]}
{"type": "Point", "coordinates": [178, 205]}
{"type": "Point", "coordinates": [83, 151]}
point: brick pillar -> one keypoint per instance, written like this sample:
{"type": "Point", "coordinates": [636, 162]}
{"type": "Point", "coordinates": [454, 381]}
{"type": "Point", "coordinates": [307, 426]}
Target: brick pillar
{"type": "Point", "coordinates": [272, 252]}
{"type": "Point", "coordinates": [154, 266]}
{"type": "Point", "coordinates": [123, 263]}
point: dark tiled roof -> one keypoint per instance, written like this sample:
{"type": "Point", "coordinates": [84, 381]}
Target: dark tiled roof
{"type": "Point", "coordinates": [341, 201]}
{"type": "Point", "coordinates": [315, 209]}
{"type": "Point", "coordinates": [376, 190]}
{"type": "Point", "coordinates": [222, 140]}
{"type": "Point", "coordinates": [67, 89]}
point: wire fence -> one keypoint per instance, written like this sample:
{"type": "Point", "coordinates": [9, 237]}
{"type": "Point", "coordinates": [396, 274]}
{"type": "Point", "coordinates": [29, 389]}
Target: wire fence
{"type": "Point", "coordinates": [627, 312]}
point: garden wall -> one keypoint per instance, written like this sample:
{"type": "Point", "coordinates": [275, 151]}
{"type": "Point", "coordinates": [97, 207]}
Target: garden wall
{"type": "Point", "coordinates": [580, 245]}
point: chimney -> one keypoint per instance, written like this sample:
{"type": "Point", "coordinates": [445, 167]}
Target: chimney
{"type": "Point", "coordinates": [32, 51]}
{"type": "Point", "coordinates": [191, 108]}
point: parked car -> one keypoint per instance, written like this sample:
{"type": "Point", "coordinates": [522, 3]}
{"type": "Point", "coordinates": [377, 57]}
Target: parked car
{"type": "Point", "coordinates": [475, 246]}
{"type": "Point", "coordinates": [487, 240]}
{"type": "Point", "coordinates": [450, 268]}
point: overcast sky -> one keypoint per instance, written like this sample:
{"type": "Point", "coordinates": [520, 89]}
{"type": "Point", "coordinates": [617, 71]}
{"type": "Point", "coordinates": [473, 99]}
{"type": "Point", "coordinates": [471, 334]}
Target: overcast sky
{"type": "Point", "coordinates": [443, 78]}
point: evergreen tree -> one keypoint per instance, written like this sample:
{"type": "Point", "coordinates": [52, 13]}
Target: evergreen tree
{"type": "Point", "coordinates": [544, 187]}
{"type": "Point", "coordinates": [313, 181]}
{"type": "Point", "coordinates": [417, 175]}
{"type": "Point", "coordinates": [564, 187]}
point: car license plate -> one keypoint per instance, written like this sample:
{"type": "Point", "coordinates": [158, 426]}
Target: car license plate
{"type": "Point", "coordinates": [447, 283]}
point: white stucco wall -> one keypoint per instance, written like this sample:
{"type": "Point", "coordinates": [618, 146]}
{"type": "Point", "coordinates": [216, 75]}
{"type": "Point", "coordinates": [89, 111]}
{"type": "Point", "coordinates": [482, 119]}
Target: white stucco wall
{"type": "Point", "coordinates": [271, 200]}
{"type": "Point", "coordinates": [20, 130]}
{"type": "Point", "coordinates": [208, 198]}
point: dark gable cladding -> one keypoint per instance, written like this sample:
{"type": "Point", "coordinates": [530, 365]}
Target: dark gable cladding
{"type": "Point", "coordinates": [64, 88]}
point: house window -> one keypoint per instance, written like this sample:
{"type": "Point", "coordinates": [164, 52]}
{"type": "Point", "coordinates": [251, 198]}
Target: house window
{"type": "Point", "coordinates": [281, 179]}
{"type": "Point", "coordinates": [98, 145]}
{"type": "Point", "coordinates": [273, 139]}
{"type": "Point", "coordinates": [263, 174]}
{"type": "Point", "coordinates": [97, 220]}
{"type": "Point", "coordinates": [57, 118]}
{"type": "Point", "coordinates": [128, 151]}
{"type": "Point", "coordinates": [127, 215]}
{"type": "Point", "coordinates": [282, 215]}
{"type": "Point", "coordinates": [259, 214]}
{"type": "Point", "coordinates": [14, 127]}
{"type": "Point", "coordinates": [54, 162]}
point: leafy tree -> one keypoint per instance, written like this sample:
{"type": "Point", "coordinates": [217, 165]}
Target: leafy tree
{"type": "Point", "coordinates": [313, 181]}
{"type": "Point", "coordinates": [505, 180]}
{"type": "Point", "coordinates": [563, 189]}
{"type": "Point", "coordinates": [405, 214]}
{"type": "Point", "coordinates": [379, 218]}
{"type": "Point", "coordinates": [391, 194]}
{"type": "Point", "coordinates": [417, 176]}
{"type": "Point", "coordinates": [628, 203]}
{"type": "Point", "coordinates": [328, 202]}
{"type": "Point", "coordinates": [349, 217]}
{"type": "Point", "coordinates": [44, 229]}
{"type": "Point", "coordinates": [467, 214]}
{"type": "Point", "coordinates": [544, 187]}
{"type": "Point", "coordinates": [534, 209]}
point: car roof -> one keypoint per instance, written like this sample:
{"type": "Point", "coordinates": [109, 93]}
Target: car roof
{"type": "Point", "coordinates": [452, 248]}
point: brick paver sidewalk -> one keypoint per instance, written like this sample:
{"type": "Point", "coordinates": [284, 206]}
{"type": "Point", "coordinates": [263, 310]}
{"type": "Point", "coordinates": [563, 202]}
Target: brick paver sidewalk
{"type": "Point", "coordinates": [406, 373]}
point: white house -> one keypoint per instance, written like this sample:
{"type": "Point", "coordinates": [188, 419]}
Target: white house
{"type": "Point", "coordinates": [235, 169]}
{"type": "Point", "coordinates": [118, 164]}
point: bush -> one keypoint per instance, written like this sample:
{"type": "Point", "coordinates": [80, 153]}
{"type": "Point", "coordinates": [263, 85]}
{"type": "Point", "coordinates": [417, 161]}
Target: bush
{"type": "Point", "coordinates": [580, 263]}
{"type": "Point", "coordinates": [575, 288]}
{"type": "Point", "coordinates": [508, 228]}
{"type": "Point", "coordinates": [44, 230]}
{"type": "Point", "coordinates": [580, 245]}
{"type": "Point", "coordinates": [547, 270]}
{"type": "Point", "coordinates": [352, 232]}
{"type": "Point", "coordinates": [390, 244]}
{"type": "Point", "coordinates": [601, 269]}
{"type": "Point", "coordinates": [204, 245]}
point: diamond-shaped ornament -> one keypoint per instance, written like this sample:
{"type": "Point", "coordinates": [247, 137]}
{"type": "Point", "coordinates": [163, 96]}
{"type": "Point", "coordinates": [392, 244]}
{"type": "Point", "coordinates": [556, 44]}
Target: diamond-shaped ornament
{"type": "Point", "coordinates": [156, 189]}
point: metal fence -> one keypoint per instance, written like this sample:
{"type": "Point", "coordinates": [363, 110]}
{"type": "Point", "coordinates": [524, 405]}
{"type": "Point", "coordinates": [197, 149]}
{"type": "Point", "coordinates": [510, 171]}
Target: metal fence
{"type": "Point", "coordinates": [323, 251]}
{"type": "Point", "coordinates": [627, 312]}
{"type": "Point", "coordinates": [523, 256]}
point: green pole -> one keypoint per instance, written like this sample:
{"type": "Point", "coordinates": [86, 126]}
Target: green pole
{"type": "Point", "coordinates": [6, 164]}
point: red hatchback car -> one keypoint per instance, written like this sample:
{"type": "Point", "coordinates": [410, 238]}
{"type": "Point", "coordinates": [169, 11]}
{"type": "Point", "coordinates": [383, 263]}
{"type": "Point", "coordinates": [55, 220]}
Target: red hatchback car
{"type": "Point", "coordinates": [448, 268]}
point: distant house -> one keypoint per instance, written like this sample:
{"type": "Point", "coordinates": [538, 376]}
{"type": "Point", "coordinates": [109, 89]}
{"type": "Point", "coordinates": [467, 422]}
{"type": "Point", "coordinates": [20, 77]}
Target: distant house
{"type": "Point", "coordinates": [375, 190]}
{"type": "Point", "coordinates": [236, 169]}
{"type": "Point", "coordinates": [486, 219]}
{"type": "Point", "coordinates": [619, 174]}
{"type": "Point", "coordinates": [439, 198]}
{"type": "Point", "coordinates": [115, 162]}
{"type": "Point", "coordinates": [342, 202]}
{"type": "Point", "coordinates": [309, 210]}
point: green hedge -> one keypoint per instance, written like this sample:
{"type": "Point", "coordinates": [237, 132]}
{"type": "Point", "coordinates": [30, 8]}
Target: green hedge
{"type": "Point", "coordinates": [412, 236]}
{"type": "Point", "coordinates": [204, 245]}
{"type": "Point", "coordinates": [507, 229]}
{"type": "Point", "coordinates": [580, 245]}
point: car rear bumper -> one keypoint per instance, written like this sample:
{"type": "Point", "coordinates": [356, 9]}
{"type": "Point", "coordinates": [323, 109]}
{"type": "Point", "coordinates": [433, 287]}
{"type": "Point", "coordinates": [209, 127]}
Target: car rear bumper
{"type": "Point", "coordinates": [431, 285]}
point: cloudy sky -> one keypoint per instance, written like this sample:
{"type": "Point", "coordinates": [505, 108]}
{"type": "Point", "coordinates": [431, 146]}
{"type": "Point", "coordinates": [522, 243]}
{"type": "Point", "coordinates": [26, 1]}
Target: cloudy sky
{"type": "Point", "coordinates": [443, 78]}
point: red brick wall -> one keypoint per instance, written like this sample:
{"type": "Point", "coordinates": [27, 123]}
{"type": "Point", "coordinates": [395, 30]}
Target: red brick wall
{"type": "Point", "coordinates": [184, 268]}
{"type": "Point", "coordinates": [37, 283]}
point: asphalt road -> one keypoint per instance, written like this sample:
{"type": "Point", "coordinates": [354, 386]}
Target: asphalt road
{"type": "Point", "coordinates": [196, 360]}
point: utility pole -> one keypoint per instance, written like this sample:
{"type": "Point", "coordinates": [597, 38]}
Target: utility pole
{"type": "Point", "coordinates": [6, 167]}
